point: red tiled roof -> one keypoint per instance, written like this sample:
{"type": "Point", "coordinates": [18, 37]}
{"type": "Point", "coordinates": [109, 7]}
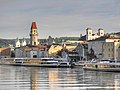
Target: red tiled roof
{"type": "Point", "coordinates": [33, 26]}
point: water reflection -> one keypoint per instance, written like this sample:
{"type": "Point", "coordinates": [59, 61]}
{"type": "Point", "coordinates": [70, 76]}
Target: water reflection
{"type": "Point", "coordinates": [33, 79]}
{"type": "Point", "coordinates": [36, 78]}
{"type": "Point", "coordinates": [53, 79]}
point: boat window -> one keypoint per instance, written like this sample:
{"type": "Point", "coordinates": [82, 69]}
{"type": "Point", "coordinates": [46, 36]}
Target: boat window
{"type": "Point", "coordinates": [64, 63]}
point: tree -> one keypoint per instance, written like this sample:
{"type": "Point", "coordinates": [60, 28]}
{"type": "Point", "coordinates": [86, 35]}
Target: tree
{"type": "Point", "coordinates": [91, 55]}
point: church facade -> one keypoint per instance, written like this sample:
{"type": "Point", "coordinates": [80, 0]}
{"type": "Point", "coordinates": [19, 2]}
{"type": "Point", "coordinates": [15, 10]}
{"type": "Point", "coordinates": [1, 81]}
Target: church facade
{"type": "Point", "coordinates": [33, 49]}
{"type": "Point", "coordinates": [91, 36]}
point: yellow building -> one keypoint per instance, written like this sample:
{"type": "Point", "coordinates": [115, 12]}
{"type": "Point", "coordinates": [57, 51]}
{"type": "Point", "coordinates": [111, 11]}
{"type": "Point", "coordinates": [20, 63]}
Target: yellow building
{"type": "Point", "coordinates": [110, 50]}
{"type": "Point", "coordinates": [55, 48]}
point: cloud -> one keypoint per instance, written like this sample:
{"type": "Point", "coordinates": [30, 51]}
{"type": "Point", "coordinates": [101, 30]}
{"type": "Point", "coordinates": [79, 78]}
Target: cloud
{"type": "Point", "coordinates": [57, 17]}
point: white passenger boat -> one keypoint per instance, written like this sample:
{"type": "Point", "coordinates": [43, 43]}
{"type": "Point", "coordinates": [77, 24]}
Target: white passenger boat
{"type": "Point", "coordinates": [64, 64]}
{"type": "Point", "coordinates": [103, 65]}
{"type": "Point", "coordinates": [36, 62]}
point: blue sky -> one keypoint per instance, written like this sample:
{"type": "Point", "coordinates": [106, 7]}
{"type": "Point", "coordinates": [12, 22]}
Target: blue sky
{"type": "Point", "coordinates": [57, 18]}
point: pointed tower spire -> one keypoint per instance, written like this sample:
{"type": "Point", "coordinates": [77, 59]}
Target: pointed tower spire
{"type": "Point", "coordinates": [33, 26]}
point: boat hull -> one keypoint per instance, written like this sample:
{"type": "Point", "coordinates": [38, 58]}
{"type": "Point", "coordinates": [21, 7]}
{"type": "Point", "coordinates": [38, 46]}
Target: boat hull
{"type": "Point", "coordinates": [103, 69]}
{"type": "Point", "coordinates": [38, 64]}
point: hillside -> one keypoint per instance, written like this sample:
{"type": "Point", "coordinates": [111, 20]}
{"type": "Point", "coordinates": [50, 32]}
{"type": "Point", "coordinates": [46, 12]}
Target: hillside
{"type": "Point", "coordinates": [6, 42]}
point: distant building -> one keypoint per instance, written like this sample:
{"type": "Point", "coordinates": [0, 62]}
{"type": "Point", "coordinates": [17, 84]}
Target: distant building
{"type": "Point", "coordinates": [23, 43]}
{"type": "Point", "coordinates": [71, 56]}
{"type": "Point", "coordinates": [91, 36]}
{"type": "Point", "coordinates": [82, 50]}
{"type": "Point", "coordinates": [5, 52]}
{"type": "Point", "coordinates": [53, 49]}
{"type": "Point", "coordinates": [97, 44]}
{"type": "Point", "coordinates": [34, 50]}
{"type": "Point", "coordinates": [34, 35]}
{"type": "Point", "coordinates": [29, 52]}
{"type": "Point", "coordinates": [119, 53]}
{"type": "Point", "coordinates": [110, 50]}
{"type": "Point", "coordinates": [19, 43]}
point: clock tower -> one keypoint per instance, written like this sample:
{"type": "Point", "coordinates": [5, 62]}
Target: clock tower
{"type": "Point", "coordinates": [34, 35]}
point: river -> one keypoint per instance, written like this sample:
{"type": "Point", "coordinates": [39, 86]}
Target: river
{"type": "Point", "coordinates": [38, 78]}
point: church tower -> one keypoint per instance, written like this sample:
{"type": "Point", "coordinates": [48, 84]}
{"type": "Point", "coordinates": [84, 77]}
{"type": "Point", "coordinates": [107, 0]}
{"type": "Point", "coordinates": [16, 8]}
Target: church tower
{"type": "Point", "coordinates": [34, 35]}
{"type": "Point", "coordinates": [88, 34]}
{"type": "Point", "coordinates": [101, 32]}
{"type": "Point", "coordinates": [17, 42]}
{"type": "Point", "coordinates": [23, 43]}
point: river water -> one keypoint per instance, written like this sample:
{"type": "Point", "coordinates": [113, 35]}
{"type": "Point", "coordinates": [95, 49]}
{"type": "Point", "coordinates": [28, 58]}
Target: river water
{"type": "Point", "coordinates": [38, 78]}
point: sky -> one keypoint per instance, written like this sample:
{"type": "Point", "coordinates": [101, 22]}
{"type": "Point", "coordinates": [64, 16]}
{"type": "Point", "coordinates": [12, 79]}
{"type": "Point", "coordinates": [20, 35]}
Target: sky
{"type": "Point", "coordinates": [57, 18]}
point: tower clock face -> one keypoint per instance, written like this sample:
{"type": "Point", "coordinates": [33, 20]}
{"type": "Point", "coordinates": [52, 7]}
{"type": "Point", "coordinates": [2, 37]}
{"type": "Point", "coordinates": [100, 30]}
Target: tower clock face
{"type": "Point", "coordinates": [33, 38]}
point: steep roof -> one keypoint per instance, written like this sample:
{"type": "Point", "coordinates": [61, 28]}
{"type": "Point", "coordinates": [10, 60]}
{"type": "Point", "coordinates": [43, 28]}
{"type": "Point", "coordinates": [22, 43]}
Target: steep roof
{"type": "Point", "coordinates": [33, 26]}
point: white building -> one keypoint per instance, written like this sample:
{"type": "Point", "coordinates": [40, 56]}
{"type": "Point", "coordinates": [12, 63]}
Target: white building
{"type": "Point", "coordinates": [23, 43]}
{"type": "Point", "coordinates": [91, 36]}
{"type": "Point", "coordinates": [19, 43]}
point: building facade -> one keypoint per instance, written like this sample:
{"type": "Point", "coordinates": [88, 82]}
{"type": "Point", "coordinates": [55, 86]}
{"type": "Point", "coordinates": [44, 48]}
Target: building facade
{"type": "Point", "coordinates": [34, 50]}
{"type": "Point", "coordinates": [19, 43]}
{"type": "Point", "coordinates": [29, 52]}
{"type": "Point", "coordinates": [91, 36]}
{"type": "Point", "coordinates": [5, 52]}
{"type": "Point", "coordinates": [96, 47]}
{"type": "Point", "coordinates": [71, 56]}
{"type": "Point", "coordinates": [110, 50]}
{"type": "Point", "coordinates": [53, 50]}
{"type": "Point", "coordinates": [82, 50]}
{"type": "Point", "coordinates": [119, 53]}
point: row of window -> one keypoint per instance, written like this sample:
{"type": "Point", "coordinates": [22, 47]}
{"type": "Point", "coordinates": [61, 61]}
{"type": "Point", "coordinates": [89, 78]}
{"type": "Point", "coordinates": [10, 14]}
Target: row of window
{"type": "Point", "coordinates": [109, 49]}
{"type": "Point", "coordinates": [108, 44]}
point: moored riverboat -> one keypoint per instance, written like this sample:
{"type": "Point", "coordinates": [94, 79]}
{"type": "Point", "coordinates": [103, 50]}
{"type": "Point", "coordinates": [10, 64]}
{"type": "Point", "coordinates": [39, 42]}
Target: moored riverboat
{"type": "Point", "coordinates": [35, 62]}
{"type": "Point", "coordinates": [103, 65]}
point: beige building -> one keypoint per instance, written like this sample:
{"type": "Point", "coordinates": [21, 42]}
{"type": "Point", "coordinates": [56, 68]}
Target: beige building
{"type": "Point", "coordinates": [110, 50]}
{"type": "Point", "coordinates": [56, 47]}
